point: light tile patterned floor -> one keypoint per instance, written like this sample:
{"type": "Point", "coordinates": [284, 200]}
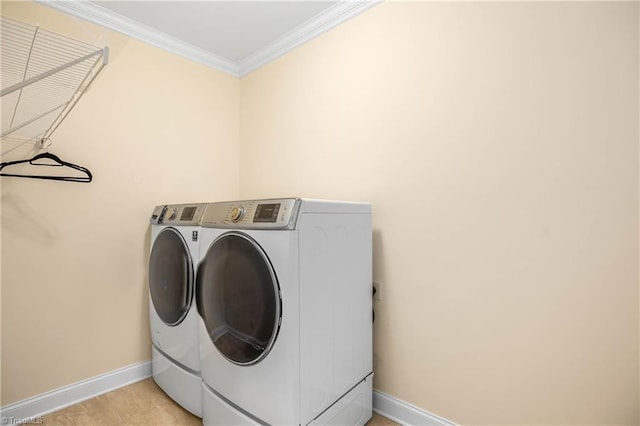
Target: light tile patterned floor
{"type": "Point", "coordinates": [142, 403]}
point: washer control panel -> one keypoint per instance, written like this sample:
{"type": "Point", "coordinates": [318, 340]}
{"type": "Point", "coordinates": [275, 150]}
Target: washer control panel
{"type": "Point", "coordinates": [256, 214]}
{"type": "Point", "coordinates": [178, 214]}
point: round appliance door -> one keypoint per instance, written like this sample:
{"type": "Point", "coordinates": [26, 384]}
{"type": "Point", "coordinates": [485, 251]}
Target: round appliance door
{"type": "Point", "coordinates": [239, 298]}
{"type": "Point", "coordinates": [170, 276]}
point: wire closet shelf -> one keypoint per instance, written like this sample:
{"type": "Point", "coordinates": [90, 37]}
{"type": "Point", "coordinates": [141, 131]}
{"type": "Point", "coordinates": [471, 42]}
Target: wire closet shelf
{"type": "Point", "coordinates": [43, 75]}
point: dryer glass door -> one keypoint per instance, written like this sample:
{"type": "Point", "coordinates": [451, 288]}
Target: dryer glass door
{"type": "Point", "coordinates": [238, 298]}
{"type": "Point", "coordinates": [170, 276]}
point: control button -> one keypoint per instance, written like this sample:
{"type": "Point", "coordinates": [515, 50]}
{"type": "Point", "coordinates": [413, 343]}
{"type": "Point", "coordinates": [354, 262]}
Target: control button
{"type": "Point", "coordinates": [237, 213]}
{"type": "Point", "coordinates": [171, 214]}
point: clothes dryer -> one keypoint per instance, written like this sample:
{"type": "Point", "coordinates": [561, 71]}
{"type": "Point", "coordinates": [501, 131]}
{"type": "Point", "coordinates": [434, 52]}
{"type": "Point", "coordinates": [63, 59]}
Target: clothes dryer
{"type": "Point", "coordinates": [284, 298]}
{"type": "Point", "coordinates": [173, 315]}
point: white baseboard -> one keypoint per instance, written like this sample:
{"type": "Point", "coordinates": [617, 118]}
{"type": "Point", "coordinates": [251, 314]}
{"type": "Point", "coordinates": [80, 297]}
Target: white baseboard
{"type": "Point", "coordinates": [65, 396]}
{"type": "Point", "coordinates": [383, 404]}
{"type": "Point", "coordinates": [405, 413]}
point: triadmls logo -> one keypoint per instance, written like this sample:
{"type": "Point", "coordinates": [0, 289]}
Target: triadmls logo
{"type": "Point", "coordinates": [194, 236]}
{"type": "Point", "coordinates": [22, 420]}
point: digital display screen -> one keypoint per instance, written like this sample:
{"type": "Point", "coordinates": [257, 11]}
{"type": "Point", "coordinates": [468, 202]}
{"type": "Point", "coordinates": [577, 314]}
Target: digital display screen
{"type": "Point", "coordinates": [266, 213]}
{"type": "Point", "coordinates": [188, 213]}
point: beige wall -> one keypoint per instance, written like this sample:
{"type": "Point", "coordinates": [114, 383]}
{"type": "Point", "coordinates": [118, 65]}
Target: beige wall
{"type": "Point", "coordinates": [498, 143]}
{"type": "Point", "coordinates": [154, 128]}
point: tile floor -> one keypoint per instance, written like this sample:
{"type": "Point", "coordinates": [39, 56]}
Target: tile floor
{"type": "Point", "coordinates": [142, 403]}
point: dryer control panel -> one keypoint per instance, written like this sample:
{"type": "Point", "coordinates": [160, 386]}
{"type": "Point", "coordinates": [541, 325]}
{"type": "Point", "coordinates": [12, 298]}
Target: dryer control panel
{"type": "Point", "coordinates": [178, 214]}
{"type": "Point", "coordinates": [252, 214]}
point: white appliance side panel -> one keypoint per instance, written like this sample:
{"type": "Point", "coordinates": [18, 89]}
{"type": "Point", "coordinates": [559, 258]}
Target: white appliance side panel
{"type": "Point", "coordinates": [182, 386]}
{"type": "Point", "coordinates": [334, 207]}
{"type": "Point", "coordinates": [180, 342]}
{"type": "Point", "coordinates": [335, 307]}
{"type": "Point", "coordinates": [353, 409]}
{"type": "Point", "coordinates": [270, 389]}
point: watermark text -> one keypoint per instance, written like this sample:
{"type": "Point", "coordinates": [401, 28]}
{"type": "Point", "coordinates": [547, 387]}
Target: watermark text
{"type": "Point", "coordinates": [22, 420]}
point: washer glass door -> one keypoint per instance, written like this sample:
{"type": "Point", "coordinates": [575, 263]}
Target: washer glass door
{"type": "Point", "coordinates": [239, 298]}
{"type": "Point", "coordinates": [170, 276]}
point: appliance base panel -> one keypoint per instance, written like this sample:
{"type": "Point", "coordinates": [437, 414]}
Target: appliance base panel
{"type": "Point", "coordinates": [216, 412]}
{"type": "Point", "coordinates": [353, 409]}
{"type": "Point", "coordinates": [182, 386]}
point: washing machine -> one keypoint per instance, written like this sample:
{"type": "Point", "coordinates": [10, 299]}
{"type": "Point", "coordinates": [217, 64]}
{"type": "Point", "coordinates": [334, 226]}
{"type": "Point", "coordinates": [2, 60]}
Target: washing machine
{"type": "Point", "coordinates": [283, 291]}
{"type": "Point", "coordinates": [175, 249]}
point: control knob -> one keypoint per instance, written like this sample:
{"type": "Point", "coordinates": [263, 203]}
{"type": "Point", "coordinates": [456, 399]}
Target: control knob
{"type": "Point", "coordinates": [171, 214]}
{"type": "Point", "coordinates": [237, 213]}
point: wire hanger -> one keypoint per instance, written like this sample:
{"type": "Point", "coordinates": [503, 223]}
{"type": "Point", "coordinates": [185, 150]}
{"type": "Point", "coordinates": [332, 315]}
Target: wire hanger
{"type": "Point", "coordinates": [57, 162]}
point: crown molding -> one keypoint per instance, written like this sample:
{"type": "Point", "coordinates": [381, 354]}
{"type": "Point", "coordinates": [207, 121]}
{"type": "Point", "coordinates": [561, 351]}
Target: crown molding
{"type": "Point", "coordinates": [323, 22]}
{"type": "Point", "coordinates": [312, 28]}
{"type": "Point", "coordinates": [113, 21]}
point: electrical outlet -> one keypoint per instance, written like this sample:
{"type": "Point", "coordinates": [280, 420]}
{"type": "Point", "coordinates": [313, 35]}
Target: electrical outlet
{"type": "Point", "coordinates": [378, 286]}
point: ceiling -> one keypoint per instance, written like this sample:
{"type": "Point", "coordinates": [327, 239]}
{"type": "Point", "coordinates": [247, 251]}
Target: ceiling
{"type": "Point", "coordinates": [236, 37]}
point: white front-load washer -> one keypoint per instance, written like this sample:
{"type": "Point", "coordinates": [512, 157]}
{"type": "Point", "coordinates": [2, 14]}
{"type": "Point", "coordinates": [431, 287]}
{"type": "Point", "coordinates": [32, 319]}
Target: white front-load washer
{"type": "Point", "coordinates": [284, 297]}
{"type": "Point", "coordinates": [175, 249]}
